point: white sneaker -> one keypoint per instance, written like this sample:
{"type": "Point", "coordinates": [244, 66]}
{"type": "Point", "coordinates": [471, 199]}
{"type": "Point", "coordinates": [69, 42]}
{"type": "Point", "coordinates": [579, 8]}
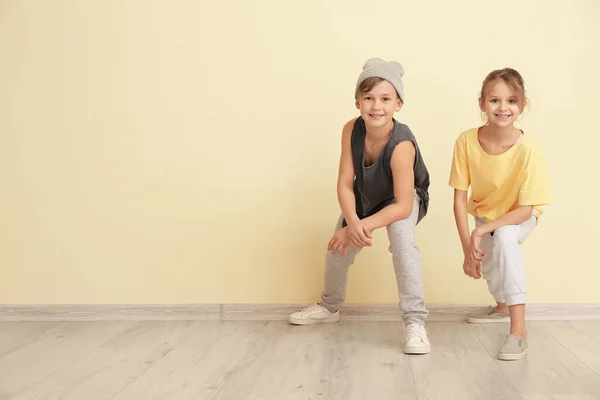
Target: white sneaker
{"type": "Point", "coordinates": [313, 314]}
{"type": "Point", "coordinates": [416, 340]}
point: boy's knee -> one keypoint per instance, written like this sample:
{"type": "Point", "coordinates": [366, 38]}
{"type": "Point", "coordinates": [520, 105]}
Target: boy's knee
{"type": "Point", "coordinates": [339, 259]}
{"type": "Point", "coordinates": [403, 246]}
{"type": "Point", "coordinates": [401, 230]}
{"type": "Point", "coordinates": [334, 256]}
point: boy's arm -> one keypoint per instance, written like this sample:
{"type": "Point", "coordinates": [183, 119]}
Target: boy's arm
{"type": "Point", "coordinates": [345, 183]}
{"type": "Point", "coordinates": [355, 230]}
{"type": "Point", "coordinates": [402, 163]}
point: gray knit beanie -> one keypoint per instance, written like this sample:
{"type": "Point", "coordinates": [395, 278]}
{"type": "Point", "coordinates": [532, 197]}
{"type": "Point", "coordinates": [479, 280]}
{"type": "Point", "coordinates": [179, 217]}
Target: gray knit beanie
{"type": "Point", "coordinates": [391, 71]}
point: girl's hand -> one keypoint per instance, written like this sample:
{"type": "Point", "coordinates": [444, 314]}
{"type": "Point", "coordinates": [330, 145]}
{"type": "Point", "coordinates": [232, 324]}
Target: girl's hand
{"type": "Point", "coordinates": [476, 254]}
{"type": "Point", "coordinates": [359, 234]}
{"type": "Point", "coordinates": [339, 242]}
{"type": "Point", "coordinates": [472, 267]}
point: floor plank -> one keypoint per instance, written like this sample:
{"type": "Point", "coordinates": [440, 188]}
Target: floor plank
{"type": "Point", "coordinates": [110, 368]}
{"type": "Point", "coordinates": [547, 370]}
{"type": "Point", "coordinates": [459, 367]}
{"type": "Point", "coordinates": [580, 338]}
{"type": "Point", "coordinates": [241, 378]}
{"type": "Point", "coordinates": [291, 366]}
{"type": "Point", "coordinates": [14, 335]}
{"type": "Point", "coordinates": [562, 397]}
{"type": "Point", "coordinates": [257, 360]}
{"type": "Point", "coordinates": [197, 367]}
{"type": "Point", "coordinates": [58, 348]}
{"type": "Point", "coordinates": [365, 360]}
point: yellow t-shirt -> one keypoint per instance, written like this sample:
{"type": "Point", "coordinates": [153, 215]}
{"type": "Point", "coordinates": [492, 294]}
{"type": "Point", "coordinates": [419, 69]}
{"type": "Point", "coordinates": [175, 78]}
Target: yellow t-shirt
{"type": "Point", "coordinates": [499, 183]}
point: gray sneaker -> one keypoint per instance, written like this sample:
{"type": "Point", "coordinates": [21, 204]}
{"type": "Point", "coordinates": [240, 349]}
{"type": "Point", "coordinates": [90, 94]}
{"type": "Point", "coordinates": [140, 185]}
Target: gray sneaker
{"type": "Point", "coordinates": [512, 349]}
{"type": "Point", "coordinates": [487, 315]}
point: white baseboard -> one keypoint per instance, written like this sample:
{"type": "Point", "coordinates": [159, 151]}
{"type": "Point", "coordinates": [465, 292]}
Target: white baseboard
{"type": "Point", "coordinates": [233, 312]}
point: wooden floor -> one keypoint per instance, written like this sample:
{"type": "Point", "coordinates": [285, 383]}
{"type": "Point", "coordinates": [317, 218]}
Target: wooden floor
{"type": "Point", "coordinates": [274, 360]}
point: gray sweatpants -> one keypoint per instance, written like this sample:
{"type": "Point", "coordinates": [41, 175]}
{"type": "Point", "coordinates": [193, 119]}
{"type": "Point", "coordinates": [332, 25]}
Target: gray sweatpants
{"type": "Point", "coordinates": [503, 267]}
{"type": "Point", "coordinates": [407, 265]}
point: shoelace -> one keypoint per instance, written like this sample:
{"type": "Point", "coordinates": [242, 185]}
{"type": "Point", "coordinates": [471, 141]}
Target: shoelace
{"type": "Point", "coordinates": [310, 309]}
{"type": "Point", "coordinates": [415, 330]}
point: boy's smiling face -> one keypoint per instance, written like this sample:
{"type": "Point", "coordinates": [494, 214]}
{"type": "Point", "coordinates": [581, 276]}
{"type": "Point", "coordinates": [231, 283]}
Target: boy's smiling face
{"type": "Point", "coordinates": [377, 106]}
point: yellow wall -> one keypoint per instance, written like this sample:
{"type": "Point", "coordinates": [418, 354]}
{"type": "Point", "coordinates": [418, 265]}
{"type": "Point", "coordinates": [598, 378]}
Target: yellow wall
{"type": "Point", "coordinates": [187, 151]}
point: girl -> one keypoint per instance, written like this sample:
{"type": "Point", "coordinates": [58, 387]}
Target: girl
{"type": "Point", "coordinates": [508, 179]}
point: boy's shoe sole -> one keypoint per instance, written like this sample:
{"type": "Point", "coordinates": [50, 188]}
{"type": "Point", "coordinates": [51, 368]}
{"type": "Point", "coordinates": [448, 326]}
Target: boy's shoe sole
{"type": "Point", "coordinates": [333, 318]}
{"type": "Point", "coordinates": [417, 350]}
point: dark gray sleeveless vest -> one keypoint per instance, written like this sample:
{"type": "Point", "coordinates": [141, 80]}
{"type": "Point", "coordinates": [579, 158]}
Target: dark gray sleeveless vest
{"type": "Point", "coordinates": [374, 185]}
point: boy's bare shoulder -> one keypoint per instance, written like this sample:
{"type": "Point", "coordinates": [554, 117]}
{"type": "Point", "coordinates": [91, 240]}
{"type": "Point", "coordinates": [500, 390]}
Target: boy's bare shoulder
{"type": "Point", "coordinates": [349, 126]}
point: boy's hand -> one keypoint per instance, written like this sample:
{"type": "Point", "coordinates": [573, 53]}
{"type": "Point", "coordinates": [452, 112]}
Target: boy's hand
{"type": "Point", "coordinates": [339, 242]}
{"type": "Point", "coordinates": [359, 234]}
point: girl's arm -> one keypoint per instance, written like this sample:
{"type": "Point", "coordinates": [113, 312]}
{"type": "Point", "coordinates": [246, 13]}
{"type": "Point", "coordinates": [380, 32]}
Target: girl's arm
{"type": "Point", "coordinates": [514, 217]}
{"type": "Point", "coordinates": [472, 261]}
{"type": "Point", "coordinates": [533, 191]}
{"type": "Point", "coordinates": [403, 160]}
{"type": "Point", "coordinates": [475, 254]}
{"type": "Point", "coordinates": [461, 218]}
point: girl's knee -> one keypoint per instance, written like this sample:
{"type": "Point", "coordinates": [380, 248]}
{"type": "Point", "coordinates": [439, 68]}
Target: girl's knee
{"type": "Point", "coordinates": [506, 237]}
